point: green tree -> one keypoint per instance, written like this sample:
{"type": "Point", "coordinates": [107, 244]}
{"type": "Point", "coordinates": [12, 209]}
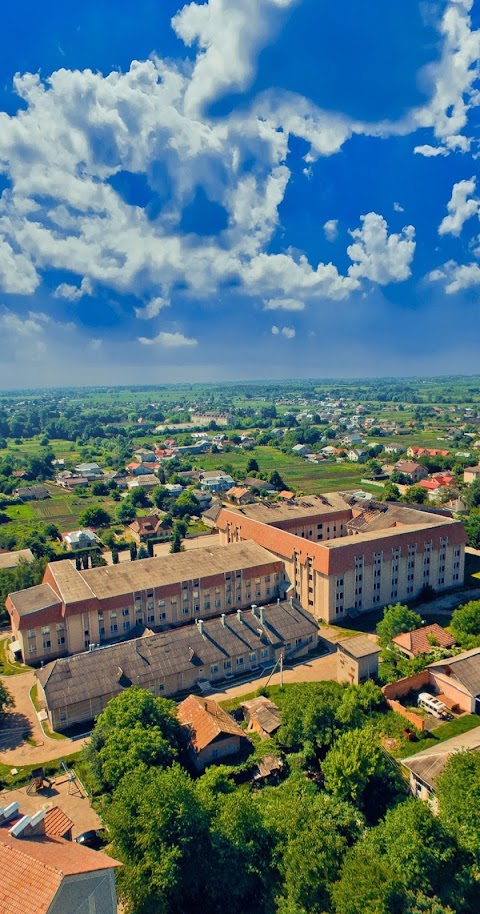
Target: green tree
{"type": "Point", "coordinates": [6, 700]}
{"type": "Point", "coordinates": [356, 769]}
{"type": "Point", "coordinates": [126, 511]}
{"type": "Point", "coordinates": [134, 729]}
{"type": "Point", "coordinates": [415, 495]}
{"type": "Point", "coordinates": [277, 481]}
{"type": "Point", "coordinates": [100, 488]}
{"type": "Point", "coordinates": [95, 517]}
{"type": "Point", "coordinates": [465, 624]}
{"type": "Point", "coordinates": [252, 466]}
{"type": "Point", "coordinates": [397, 618]}
{"type": "Point", "coordinates": [391, 492]}
{"type": "Point", "coordinates": [472, 527]}
{"type": "Point", "coordinates": [160, 831]}
{"type": "Point", "coordinates": [458, 792]}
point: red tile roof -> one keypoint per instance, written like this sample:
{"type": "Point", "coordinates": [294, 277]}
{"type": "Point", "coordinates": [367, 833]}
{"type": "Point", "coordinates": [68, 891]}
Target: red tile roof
{"type": "Point", "coordinates": [56, 823]}
{"type": "Point", "coordinates": [206, 720]}
{"type": "Point", "coordinates": [32, 871]}
{"type": "Point", "coordinates": [417, 642]}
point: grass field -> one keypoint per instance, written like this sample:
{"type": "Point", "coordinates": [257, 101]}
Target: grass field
{"type": "Point", "coordinates": [303, 477]}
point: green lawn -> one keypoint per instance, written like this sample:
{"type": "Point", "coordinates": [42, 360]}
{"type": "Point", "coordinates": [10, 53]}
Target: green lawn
{"type": "Point", "coordinates": [24, 773]}
{"type": "Point", "coordinates": [445, 731]}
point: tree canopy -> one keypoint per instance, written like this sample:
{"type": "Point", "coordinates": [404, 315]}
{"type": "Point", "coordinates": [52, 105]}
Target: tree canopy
{"type": "Point", "coordinates": [397, 618]}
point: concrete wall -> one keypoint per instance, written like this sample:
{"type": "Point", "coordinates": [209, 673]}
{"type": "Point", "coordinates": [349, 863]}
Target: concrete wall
{"type": "Point", "coordinates": [410, 684]}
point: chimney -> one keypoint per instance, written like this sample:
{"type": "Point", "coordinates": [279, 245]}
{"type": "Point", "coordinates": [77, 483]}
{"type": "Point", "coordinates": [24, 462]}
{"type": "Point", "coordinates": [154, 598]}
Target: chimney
{"type": "Point", "coordinates": [254, 609]}
{"type": "Point", "coordinates": [16, 830]}
{"type": "Point", "coordinates": [200, 626]}
{"type": "Point", "coordinates": [9, 812]}
{"type": "Point", "coordinates": [37, 825]}
{"type": "Point", "coordinates": [291, 602]}
{"type": "Point", "coordinates": [262, 616]}
{"type": "Point", "coordinates": [239, 615]}
{"type": "Point", "coordinates": [222, 619]}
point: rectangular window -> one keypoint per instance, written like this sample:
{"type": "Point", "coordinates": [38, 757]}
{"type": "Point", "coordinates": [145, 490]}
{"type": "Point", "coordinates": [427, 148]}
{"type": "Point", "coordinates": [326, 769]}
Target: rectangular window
{"type": "Point", "coordinates": [32, 633]}
{"type": "Point", "coordinates": [252, 657]}
{"type": "Point", "coordinates": [186, 611]}
{"type": "Point", "coordinates": [126, 611]}
{"type": "Point", "coordinates": [32, 649]}
{"type": "Point", "coordinates": [113, 628]}
{"type": "Point", "coordinates": [46, 645]}
{"type": "Point", "coordinates": [161, 603]}
{"type": "Point", "coordinates": [101, 631]}
{"type": "Point", "coordinates": [227, 664]}
{"type": "Point", "coordinates": [239, 661]}
{"type": "Point", "coordinates": [173, 601]}
{"type": "Point", "coordinates": [45, 630]}
{"type": "Point", "coordinates": [61, 640]}
{"type": "Point", "coordinates": [214, 668]}
{"type": "Point", "coordinates": [264, 652]}
{"type": "Point", "coordinates": [126, 626]}
{"type": "Point", "coordinates": [151, 620]}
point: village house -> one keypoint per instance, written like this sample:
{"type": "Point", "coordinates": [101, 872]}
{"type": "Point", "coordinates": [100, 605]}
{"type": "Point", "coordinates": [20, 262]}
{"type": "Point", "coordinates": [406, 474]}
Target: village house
{"type": "Point", "coordinates": [471, 474]}
{"type": "Point", "coordinates": [148, 482]}
{"type": "Point", "coordinates": [32, 493]}
{"type": "Point", "coordinates": [357, 455]}
{"type": "Point", "coordinates": [216, 481]}
{"type": "Point", "coordinates": [414, 471]}
{"type": "Point", "coordinates": [422, 640]}
{"type": "Point", "coordinates": [426, 767]}
{"type": "Point", "coordinates": [143, 528]}
{"type": "Point", "coordinates": [210, 734]}
{"type": "Point", "coordinates": [80, 539]}
{"type": "Point", "coordinates": [90, 471]}
{"type": "Point", "coordinates": [44, 873]}
{"type": "Point", "coordinates": [12, 559]}
{"type": "Point", "coordinates": [239, 495]}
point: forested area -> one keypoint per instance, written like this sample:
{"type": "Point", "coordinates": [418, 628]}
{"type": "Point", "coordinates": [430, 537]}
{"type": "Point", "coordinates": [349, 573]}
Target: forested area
{"type": "Point", "coordinates": [339, 834]}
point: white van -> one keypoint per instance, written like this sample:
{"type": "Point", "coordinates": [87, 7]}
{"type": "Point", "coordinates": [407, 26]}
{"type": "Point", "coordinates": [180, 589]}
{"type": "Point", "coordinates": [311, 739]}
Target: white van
{"type": "Point", "coordinates": [432, 705]}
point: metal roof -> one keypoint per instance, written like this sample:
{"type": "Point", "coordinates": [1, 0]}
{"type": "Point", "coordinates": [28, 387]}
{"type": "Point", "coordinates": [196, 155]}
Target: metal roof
{"type": "Point", "coordinates": [143, 661]}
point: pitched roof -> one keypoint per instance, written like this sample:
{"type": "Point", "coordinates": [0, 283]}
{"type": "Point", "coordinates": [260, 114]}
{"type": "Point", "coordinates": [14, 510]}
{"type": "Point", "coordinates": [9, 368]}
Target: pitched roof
{"type": "Point", "coordinates": [464, 668]}
{"type": "Point", "coordinates": [430, 763]}
{"type": "Point", "coordinates": [32, 871]}
{"type": "Point", "coordinates": [56, 823]}
{"type": "Point", "coordinates": [11, 559]}
{"type": "Point", "coordinates": [206, 721]}
{"type": "Point", "coordinates": [143, 661]}
{"type": "Point", "coordinates": [418, 642]}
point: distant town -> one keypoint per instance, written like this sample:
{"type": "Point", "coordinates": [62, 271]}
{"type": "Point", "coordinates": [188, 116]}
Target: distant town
{"type": "Point", "coordinates": [266, 578]}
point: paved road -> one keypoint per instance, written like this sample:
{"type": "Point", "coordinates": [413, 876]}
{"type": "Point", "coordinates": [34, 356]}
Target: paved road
{"type": "Point", "coordinates": [313, 670]}
{"type": "Point", "coordinates": [13, 750]}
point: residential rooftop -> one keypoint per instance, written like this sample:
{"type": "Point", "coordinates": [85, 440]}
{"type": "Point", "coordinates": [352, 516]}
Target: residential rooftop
{"type": "Point", "coordinates": [359, 646]}
{"type": "Point", "coordinates": [429, 764]}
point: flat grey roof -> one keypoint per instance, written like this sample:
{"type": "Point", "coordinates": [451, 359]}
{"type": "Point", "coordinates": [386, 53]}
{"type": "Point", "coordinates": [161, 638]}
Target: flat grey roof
{"type": "Point", "coordinates": [359, 646]}
{"type": "Point", "coordinates": [304, 507]}
{"type": "Point", "coordinates": [34, 599]}
{"type": "Point", "coordinates": [145, 574]}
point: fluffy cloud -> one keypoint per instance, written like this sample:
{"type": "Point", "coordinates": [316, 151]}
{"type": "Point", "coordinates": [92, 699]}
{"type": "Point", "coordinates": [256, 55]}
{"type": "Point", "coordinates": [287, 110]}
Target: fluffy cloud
{"type": "Point", "coordinates": [149, 120]}
{"type": "Point", "coordinates": [152, 308]}
{"type": "Point", "coordinates": [73, 293]}
{"type": "Point", "coordinates": [378, 256]}
{"type": "Point", "coordinates": [287, 332]}
{"type": "Point", "coordinates": [168, 340]}
{"type": "Point", "coordinates": [283, 304]}
{"type": "Point", "coordinates": [456, 277]}
{"type": "Point", "coordinates": [461, 206]}
{"type": "Point", "coordinates": [330, 229]}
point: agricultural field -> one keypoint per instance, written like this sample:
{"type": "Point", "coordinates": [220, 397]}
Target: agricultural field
{"type": "Point", "coordinates": [304, 477]}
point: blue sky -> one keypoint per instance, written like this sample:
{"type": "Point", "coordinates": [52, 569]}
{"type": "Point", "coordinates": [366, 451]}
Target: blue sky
{"type": "Point", "coordinates": [238, 189]}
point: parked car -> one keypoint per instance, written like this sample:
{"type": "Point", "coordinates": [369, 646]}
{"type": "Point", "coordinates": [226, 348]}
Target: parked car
{"type": "Point", "coordinates": [432, 705]}
{"type": "Point", "coordinates": [93, 839]}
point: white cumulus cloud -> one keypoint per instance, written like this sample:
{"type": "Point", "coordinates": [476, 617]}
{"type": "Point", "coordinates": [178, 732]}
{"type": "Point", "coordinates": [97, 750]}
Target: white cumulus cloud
{"type": "Point", "coordinates": [287, 332]}
{"type": "Point", "coordinates": [461, 206]}
{"type": "Point", "coordinates": [152, 308]}
{"type": "Point", "coordinates": [168, 340]}
{"type": "Point", "coordinates": [378, 256]}
{"type": "Point", "coordinates": [283, 304]}
{"type": "Point", "coordinates": [330, 229]}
